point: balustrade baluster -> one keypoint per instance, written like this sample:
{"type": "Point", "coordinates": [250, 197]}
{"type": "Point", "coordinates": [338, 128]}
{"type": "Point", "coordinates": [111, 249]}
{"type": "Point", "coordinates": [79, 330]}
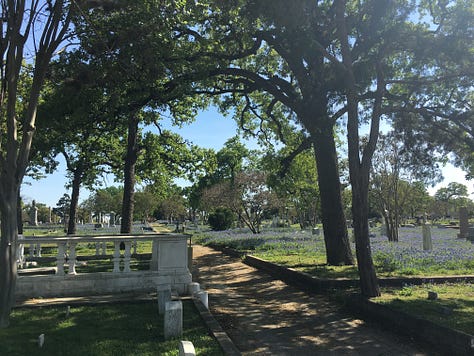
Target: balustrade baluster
{"type": "Point", "coordinates": [38, 250]}
{"type": "Point", "coordinates": [32, 250]}
{"type": "Point", "coordinates": [134, 244]}
{"type": "Point", "coordinates": [116, 258]}
{"type": "Point", "coordinates": [127, 256]}
{"type": "Point", "coordinates": [104, 248]}
{"type": "Point", "coordinates": [72, 258]}
{"type": "Point", "coordinates": [60, 258]}
{"type": "Point", "coordinates": [97, 248]}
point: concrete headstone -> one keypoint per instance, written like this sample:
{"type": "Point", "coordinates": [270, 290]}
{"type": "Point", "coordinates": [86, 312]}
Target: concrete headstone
{"type": "Point", "coordinates": [471, 234]}
{"type": "Point", "coordinates": [173, 320]}
{"type": "Point", "coordinates": [463, 223]}
{"type": "Point", "coordinates": [164, 296]}
{"type": "Point", "coordinates": [41, 340]}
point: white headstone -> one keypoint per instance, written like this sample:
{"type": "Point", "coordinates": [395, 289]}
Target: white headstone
{"type": "Point", "coordinates": [41, 340]}
{"type": "Point", "coordinates": [173, 321]}
{"type": "Point", "coordinates": [186, 348]}
{"type": "Point", "coordinates": [164, 296]}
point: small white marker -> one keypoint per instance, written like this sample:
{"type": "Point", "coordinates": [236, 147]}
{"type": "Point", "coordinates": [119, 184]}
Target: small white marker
{"type": "Point", "coordinates": [41, 340]}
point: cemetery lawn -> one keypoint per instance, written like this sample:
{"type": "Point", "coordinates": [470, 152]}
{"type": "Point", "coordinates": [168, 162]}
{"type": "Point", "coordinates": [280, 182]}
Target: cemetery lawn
{"type": "Point", "coordinates": [107, 329]}
{"type": "Point", "coordinates": [306, 253]}
{"type": "Point", "coordinates": [454, 307]}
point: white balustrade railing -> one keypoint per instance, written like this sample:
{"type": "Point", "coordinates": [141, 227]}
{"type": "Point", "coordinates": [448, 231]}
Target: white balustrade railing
{"type": "Point", "coordinates": [67, 255]}
{"type": "Point", "coordinates": [168, 265]}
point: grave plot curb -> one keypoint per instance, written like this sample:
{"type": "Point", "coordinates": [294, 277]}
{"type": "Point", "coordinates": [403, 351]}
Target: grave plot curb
{"type": "Point", "coordinates": [442, 338]}
{"type": "Point", "coordinates": [322, 285]}
{"type": "Point", "coordinates": [216, 330]}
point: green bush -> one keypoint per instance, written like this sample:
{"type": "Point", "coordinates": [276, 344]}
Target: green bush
{"type": "Point", "coordinates": [221, 219]}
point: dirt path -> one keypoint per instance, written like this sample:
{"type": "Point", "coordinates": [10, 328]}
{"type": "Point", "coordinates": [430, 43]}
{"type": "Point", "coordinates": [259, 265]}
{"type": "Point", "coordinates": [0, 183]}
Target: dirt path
{"type": "Point", "coordinates": [267, 317]}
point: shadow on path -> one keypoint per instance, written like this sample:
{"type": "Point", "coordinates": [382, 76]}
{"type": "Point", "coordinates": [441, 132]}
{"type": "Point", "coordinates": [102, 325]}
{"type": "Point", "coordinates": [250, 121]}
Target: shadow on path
{"type": "Point", "coordinates": [267, 317]}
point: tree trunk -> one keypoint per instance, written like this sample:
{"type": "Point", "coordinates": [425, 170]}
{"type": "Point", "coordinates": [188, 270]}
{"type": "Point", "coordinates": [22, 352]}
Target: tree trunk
{"type": "Point", "coordinates": [338, 251]}
{"type": "Point", "coordinates": [76, 185]}
{"type": "Point", "coordinates": [368, 279]}
{"type": "Point", "coordinates": [129, 176]}
{"type": "Point", "coordinates": [8, 245]}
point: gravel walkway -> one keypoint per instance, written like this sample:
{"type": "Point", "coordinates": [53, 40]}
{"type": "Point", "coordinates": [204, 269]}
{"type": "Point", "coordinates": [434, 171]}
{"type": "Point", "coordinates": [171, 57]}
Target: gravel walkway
{"type": "Point", "coordinates": [267, 317]}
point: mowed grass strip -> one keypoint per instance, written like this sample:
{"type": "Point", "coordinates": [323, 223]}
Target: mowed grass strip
{"type": "Point", "coordinates": [108, 329]}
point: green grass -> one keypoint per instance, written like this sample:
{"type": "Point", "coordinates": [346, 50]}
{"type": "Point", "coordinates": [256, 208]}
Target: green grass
{"type": "Point", "coordinates": [112, 329]}
{"type": "Point", "coordinates": [307, 262]}
{"type": "Point", "coordinates": [306, 253]}
{"type": "Point", "coordinates": [454, 307]}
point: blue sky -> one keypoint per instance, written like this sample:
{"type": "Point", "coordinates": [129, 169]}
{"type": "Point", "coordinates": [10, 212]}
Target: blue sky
{"type": "Point", "coordinates": [209, 130]}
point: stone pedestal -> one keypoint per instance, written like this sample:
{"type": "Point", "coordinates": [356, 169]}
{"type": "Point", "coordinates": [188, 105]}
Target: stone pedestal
{"type": "Point", "coordinates": [173, 321]}
{"type": "Point", "coordinates": [427, 243]}
{"type": "Point", "coordinates": [164, 296]}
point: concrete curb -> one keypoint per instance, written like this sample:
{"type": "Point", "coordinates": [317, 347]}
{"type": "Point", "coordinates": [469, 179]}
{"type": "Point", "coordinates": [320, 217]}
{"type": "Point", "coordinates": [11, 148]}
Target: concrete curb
{"type": "Point", "coordinates": [321, 285]}
{"type": "Point", "coordinates": [442, 338]}
{"type": "Point", "coordinates": [216, 330]}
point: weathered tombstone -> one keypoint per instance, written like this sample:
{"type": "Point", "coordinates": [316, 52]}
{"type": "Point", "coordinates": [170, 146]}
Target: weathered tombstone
{"type": "Point", "coordinates": [164, 296]}
{"type": "Point", "coordinates": [34, 214]}
{"type": "Point", "coordinates": [275, 221]}
{"type": "Point", "coordinates": [427, 243]}
{"type": "Point", "coordinates": [432, 295]}
{"type": "Point", "coordinates": [471, 234]}
{"type": "Point", "coordinates": [41, 340]}
{"type": "Point", "coordinates": [186, 348]}
{"type": "Point", "coordinates": [173, 321]}
{"type": "Point", "coordinates": [463, 223]}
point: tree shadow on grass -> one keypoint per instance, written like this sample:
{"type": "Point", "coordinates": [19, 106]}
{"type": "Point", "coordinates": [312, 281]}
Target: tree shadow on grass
{"type": "Point", "coordinates": [454, 314]}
